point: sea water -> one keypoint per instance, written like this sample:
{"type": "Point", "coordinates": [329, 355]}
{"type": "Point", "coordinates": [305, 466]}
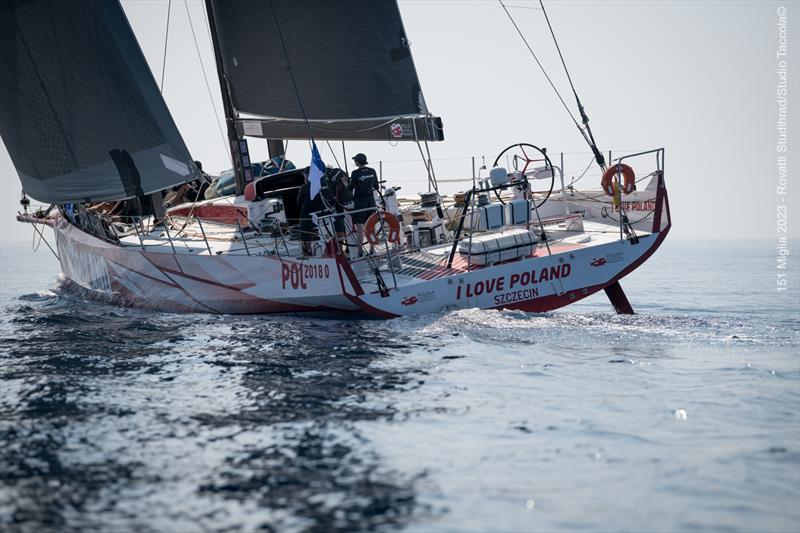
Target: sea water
{"type": "Point", "coordinates": [685, 416]}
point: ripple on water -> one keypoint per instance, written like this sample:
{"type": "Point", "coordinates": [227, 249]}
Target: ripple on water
{"type": "Point", "coordinates": [516, 326]}
{"type": "Point", "coordinates": [112, 408]}
{"type": "Point", "coordinates": [122, 419]}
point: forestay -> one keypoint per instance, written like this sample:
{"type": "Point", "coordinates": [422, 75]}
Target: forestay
{"type": "Point", "coordinates": [354, 77]}
{"type": "Point", "coordinates": [80, 111]}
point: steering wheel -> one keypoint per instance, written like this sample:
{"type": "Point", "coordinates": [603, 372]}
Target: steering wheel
{"type": "Point", "coordinates": [521, 157]}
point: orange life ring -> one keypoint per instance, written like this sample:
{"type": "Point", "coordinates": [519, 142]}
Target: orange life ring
{"type": "Point", "coordinates": [372, 228]}
{"type": "Point", "coordinates": [629, 183]}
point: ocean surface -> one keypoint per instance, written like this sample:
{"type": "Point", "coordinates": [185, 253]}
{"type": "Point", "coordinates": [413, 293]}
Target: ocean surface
{"type": "Point", "coordinates": [685, 416]}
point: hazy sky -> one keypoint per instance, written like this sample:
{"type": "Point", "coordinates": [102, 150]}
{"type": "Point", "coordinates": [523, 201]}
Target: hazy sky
{"type": "Point", "coordinates": [698, 78]}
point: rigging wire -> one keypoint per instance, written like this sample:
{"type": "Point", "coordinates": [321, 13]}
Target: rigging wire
{"type": "Point", "coordinates": [588, 138]}
{"type": "Point", "coordinates": [311, 142]}
{"type": "Point", "coordinates": [336, 159]}
{"type": "Point", "coordinates": [210, 96]}
{"type": "Point", "coordinates": [541, 67]}
{"type": "Point", "coordinates": [575, 180]}
{"type": "Point", "coordinates": [166, 41]}
{"type": "Point", "coordinates": [34, 244]}
{"type": "Point", "coordinates": [291, 73]}
{"type": "Point", "coordinates": [205, 79]}
{"type": "Point", "coordinates": [561, 56]}
{"type": "Point", "coordinates": [524, 7]}
{"type": "Point", "coordinates": [597, 154]}
{"type": "Point", "coordinates": [43, 239]}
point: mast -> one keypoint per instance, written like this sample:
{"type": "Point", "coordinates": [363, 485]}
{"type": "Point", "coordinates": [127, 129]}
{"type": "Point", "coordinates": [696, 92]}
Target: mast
{"type": "Point", "coordinates": [234, 141]}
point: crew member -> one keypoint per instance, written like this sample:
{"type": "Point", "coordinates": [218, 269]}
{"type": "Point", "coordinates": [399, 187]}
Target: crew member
{"type": "Point", "coordinates": [342, 199]}
{"type": "Point", "coordinates": [194, 191]}
{"type": "Point", "coordinates": [199, 186]}
{"type": "Point", "coordinates": [363, 183]}
{"type": "Point", "coordinates": [307, 205]}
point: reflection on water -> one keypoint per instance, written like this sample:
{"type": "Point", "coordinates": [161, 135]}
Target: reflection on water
{"type": "Point", "coordinates": [112, 413]}
{"type": "Point", "coordinates": [682, 417]}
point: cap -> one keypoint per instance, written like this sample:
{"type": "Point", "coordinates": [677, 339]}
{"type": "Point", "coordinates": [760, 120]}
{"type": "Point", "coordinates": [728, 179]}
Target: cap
{"type": "Point", "coordinates": [360, 159]}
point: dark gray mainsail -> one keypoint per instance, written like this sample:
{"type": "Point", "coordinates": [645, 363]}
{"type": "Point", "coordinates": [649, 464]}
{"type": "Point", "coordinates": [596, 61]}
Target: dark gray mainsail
{"type": "Point", "coordinates": [345, 65]}
{"type": "Point", "coordinates": [80, 111]}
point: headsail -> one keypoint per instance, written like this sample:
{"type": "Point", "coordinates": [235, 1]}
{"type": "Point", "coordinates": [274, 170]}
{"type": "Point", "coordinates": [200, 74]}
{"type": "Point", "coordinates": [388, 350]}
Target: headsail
{"type": "Point", "coordinates": [80, 112]}
{"type": "Point", "coordinates": [354, 77]}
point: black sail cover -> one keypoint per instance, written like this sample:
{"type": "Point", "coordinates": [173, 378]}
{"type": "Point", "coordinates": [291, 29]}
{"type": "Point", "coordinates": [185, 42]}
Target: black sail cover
{"type": "Point", "coordinates": [351, 62]}
{"type": "Point", "coordinates": [80, 112]}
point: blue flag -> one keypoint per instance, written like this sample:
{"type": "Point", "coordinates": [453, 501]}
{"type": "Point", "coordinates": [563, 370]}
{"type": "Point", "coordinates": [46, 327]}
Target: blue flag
{"type": "Point", "coordinates": [316, 171]}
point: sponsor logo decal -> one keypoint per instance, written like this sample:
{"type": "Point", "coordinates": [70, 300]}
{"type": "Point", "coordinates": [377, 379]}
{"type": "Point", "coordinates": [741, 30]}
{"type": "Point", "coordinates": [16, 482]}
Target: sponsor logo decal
{"type": "Point", "coordinates": [609, 258]}
{"type": "Point", "coordinates": [421, 297]}
{"type": "Point", "coordinates": [397, 130]}
{"type": "Point", "coordinates": [426, 296]}
{"type": "Point", "coordinates": [409, 300]}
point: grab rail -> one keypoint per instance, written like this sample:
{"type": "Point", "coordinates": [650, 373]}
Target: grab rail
{"type": "Point", "coordinates": [625, 227]}
{"type": "Point", "coordinates": [321, 220]}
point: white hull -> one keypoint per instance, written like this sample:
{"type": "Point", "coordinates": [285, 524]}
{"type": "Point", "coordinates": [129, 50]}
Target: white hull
{"type": "Point", "coordinates": [567, 270]}
{"type": "Point", "coordinates": [534, 284]}
{"type": "Point", "coordinates": [199, 283]}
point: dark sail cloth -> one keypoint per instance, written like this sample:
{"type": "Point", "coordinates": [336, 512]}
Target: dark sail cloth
{"type": "Point", "coordinates": [363, 181]}
{"type": "Point", "coordinates": [307, 206]}
{"type": "Point", "coordinates": [80, 113]}
{"type": "Point", "coordinates": [295, 49]}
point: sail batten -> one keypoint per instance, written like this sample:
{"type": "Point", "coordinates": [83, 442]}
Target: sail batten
{"type": "Point", "coordinates": [333, 63]}
{"type": "Point", "coordinates": [80, 112]}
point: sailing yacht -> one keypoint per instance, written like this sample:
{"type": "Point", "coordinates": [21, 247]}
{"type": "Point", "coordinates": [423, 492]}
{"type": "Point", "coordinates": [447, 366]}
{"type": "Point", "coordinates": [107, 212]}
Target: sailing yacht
{"type": "Point", "coordinates": [84, 122]}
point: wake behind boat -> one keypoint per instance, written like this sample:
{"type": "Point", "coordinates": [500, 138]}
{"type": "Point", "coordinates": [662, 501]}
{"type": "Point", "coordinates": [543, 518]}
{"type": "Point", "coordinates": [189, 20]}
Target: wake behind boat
{"type": "Point", "coordinates": [519, 237]}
